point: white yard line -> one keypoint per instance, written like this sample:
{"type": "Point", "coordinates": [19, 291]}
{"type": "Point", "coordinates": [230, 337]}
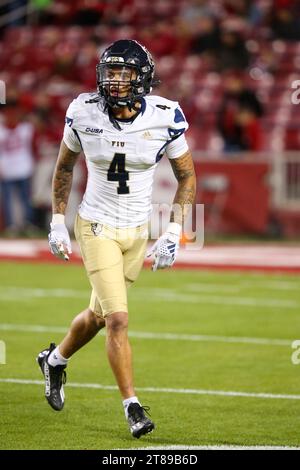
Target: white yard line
{"type": "Point", "coordinates": [156, 336]}
{"type": "Point", "coordinates": [19, 294]}
{"type": "Point", "coordinates": [181, 391]}
{"type": "Point", "coordinates": [32, 328]}
{"type": "Point", "coordinates": [168, 295]}
{"type": "Point", "coordinates": [272, 285]}
{"type": "Point", "coordinates": [210, 338]}
{"type": "Point", "coordinates": [233, 288]}
{"type": "Point", "coordinates": [236, 286]}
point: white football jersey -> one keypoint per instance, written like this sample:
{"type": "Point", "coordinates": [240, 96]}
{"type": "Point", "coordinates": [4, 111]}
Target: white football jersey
{"type": "Point", "coordinates": [121, 158]}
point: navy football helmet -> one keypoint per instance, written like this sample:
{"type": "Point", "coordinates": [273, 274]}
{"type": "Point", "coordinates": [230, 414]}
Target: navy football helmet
{"type": "Point", "coordinates": [125, 73]}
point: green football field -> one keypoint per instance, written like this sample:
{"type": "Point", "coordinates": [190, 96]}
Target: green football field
{"type": "Point", "coordinates": [212, 358]}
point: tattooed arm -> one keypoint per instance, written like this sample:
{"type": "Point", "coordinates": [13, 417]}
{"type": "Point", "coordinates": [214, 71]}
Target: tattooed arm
{"type": "Point", "coordinates": [59, 239]}
{"type": "Point", "coordinates": [62, 179]}
{"type": "Point", "coordinates": [183, 168]}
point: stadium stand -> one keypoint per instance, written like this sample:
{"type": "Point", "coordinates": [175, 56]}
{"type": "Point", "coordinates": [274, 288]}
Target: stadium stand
{"type": "Point", "coordinates": [48, 56]}
{"type": "Point", "coordinates": [54, 63]}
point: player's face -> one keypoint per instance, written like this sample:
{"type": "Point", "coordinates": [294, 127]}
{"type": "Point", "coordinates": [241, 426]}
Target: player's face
{"type": "Point", "coordinates": [118, 80]}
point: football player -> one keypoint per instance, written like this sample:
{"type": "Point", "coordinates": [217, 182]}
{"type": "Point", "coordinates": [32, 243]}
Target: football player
{"type": "Point", "coordinates": [123, 133]}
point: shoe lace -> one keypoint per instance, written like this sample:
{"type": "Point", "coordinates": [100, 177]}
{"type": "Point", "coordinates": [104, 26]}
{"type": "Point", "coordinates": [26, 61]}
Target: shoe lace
{"type": "Point", "coordinates": [146, 410]}
{"type": "Point", "coordinates": [138, 411]}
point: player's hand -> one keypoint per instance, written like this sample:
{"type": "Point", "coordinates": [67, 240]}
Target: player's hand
{"type": "Point", "coordinates": [59, 241]}
{"type": "Point", "coordinates": [166, 247]}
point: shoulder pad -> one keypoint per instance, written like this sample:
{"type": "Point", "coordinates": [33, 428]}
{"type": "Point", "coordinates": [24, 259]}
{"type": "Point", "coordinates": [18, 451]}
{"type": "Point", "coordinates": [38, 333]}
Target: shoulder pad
{"type": "Point", "coordinates": [171, 110]}
{"type": "Point", "coordinates": [79, 107]}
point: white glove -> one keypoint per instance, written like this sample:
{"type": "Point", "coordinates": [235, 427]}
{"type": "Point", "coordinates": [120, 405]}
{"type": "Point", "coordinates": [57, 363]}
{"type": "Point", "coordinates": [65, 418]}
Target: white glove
{"type": "Point", "coordinates": [166, 247]}
{"type": "Point", "coordinates": [59, 239]}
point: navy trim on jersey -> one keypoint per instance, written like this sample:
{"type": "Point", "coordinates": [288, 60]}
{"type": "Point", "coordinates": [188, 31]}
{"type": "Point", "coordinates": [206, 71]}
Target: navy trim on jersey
{"type": "Point", "coordinates": [179, 117]}
{"type": "Point", "coordinates": [76, 133]}
{"type": "Point", "coordinates": [69, 121]}
{"type": "Point", "coordinates": [143, 105]}
{"type": "Point", "coordinates": [174, 134]}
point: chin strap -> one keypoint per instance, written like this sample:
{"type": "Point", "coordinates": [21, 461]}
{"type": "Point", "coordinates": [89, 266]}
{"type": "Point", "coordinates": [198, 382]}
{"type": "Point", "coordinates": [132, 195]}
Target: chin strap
{"type": "Point", "coordinates": [114, 121]}
{"type": "Point", "coordinates": [108, 109]}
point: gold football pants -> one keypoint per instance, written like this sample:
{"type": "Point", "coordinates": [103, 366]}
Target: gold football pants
{"type": "Point", "coordinates": [113, 258]}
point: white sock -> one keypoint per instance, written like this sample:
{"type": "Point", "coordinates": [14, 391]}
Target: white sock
{"type": "Point", "coordinates": [56, 359]}
{"type": "Point", "coordinates": [127, 402]}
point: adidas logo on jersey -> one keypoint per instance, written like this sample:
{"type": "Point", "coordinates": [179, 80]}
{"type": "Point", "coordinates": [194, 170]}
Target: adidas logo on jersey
{"type": "Point", "coordinates": [147, 135]}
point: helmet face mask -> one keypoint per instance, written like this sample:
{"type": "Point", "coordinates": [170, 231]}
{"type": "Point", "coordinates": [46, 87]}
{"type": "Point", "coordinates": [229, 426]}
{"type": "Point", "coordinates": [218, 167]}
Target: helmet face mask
{"type": "Point", "coordinates": [124, 74]}
{"type": "Point", "coordinates": [117, 83]}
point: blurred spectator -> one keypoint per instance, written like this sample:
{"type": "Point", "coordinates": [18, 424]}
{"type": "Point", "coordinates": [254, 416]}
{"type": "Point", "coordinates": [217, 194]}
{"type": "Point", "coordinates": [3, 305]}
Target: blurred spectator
{"type": "Point", "coordinates": [47, 64]}
{"type": "Point", "coordinates": [41, 183]}
{"type": "Point", "coordinates": [232, 52]}
{"type": "Point", "coordinates": [207, 37]}
{"type": "Point", "coordinates": [285, 19]}
{"type": "Point", "coordinates": [242, 8]}
{"type": "Point", "coordinates": [53, 11]}
{"type": "Point", "coordinates": [16, 169]}
{"type": "Point", "coordinates": [239, 115]}
{"type": "Point", "coordinates": [86, 61]}
{"type": "Point", "coordinates": [90, 12]}
{"type": "Point", "coordinates": [194, 10]}
{"type": "Point", "coordinates": [13, 13]}
{"type": "Point", "coordinates": [160, 38]}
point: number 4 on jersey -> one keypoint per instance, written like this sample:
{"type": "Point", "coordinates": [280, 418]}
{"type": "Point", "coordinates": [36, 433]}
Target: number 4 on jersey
{"type": "Point", "coordinates": [117, 172]}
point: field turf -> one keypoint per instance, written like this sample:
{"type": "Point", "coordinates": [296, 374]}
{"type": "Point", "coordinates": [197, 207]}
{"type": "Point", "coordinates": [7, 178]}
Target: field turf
{"type": "Point", "coordinates": [196, 336]}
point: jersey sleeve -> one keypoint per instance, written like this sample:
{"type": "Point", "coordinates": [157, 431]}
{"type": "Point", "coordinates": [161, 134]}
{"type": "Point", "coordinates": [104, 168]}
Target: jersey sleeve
{"type": "Point", "coordinates": [177, 145]}
{"type": "Point", "coordinates": [70, 137]}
